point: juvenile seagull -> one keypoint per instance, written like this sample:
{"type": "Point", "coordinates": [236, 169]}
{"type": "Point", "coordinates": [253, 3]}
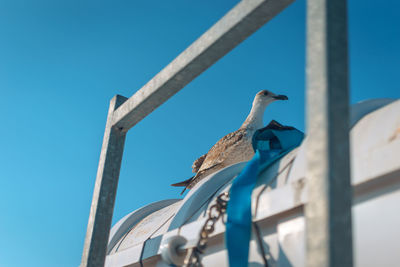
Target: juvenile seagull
{"type": "Point", "coordinates": [234, 147]}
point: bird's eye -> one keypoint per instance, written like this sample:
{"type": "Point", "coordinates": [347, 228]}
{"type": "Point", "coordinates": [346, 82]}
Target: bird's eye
{"type": "Point", "coordinates": [266, 93]}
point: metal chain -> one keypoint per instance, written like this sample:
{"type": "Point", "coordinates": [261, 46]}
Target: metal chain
{"type": "Point", "coordinates": [215, 212]}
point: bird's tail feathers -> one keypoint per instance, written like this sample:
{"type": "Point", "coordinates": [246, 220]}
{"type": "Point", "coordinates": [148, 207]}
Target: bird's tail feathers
{"type": "Point", "coordinates": [184, 184]}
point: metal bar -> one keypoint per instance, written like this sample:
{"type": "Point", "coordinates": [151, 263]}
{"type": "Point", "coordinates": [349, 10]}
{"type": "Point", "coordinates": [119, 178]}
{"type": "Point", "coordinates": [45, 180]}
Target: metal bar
{"type": "Point", "coordinates": [105, 189]}
{"type": "Point", "coordinates": [328, 212]}
{"type": "Point", "coordinates": [239, 23]}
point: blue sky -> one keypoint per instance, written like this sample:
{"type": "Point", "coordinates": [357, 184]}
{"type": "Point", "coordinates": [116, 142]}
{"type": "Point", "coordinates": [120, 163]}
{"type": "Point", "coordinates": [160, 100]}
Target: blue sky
{"type": "Point", "coordinates": [62, 61]}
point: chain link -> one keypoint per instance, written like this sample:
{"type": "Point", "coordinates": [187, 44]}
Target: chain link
{"type": "Point", "coordinates": [215, 212]}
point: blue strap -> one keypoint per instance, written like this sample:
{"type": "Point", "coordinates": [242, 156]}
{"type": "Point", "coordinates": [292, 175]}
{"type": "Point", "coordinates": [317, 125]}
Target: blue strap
{"type": "Point", "coordinates": [270, 145]}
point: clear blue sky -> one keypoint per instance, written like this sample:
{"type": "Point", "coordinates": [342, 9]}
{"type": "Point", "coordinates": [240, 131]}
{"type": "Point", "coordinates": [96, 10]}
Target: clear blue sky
{"type": "Point", "coordinates": [62, 61]}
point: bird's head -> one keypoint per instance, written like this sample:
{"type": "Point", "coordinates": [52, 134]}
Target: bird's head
{"type": "Point", "coordinates": [262, 99]}
{"type": "Point", "coordinates": [267, 97]}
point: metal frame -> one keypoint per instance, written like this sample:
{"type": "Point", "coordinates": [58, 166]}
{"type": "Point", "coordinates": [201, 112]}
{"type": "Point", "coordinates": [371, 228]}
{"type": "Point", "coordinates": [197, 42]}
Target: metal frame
{"type": "Point", "coordinates": [328, 131]}
{"type": "Point", "coordinates": [328, 211]}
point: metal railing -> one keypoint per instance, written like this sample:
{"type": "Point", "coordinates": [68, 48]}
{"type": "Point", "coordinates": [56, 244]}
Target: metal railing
{"type": "Point", "coordinates": [328, 212]}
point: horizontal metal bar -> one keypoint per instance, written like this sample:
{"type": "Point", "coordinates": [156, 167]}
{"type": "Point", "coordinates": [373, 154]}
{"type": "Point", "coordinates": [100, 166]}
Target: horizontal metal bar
{"type": "Point", "coordinates": [239, 23]}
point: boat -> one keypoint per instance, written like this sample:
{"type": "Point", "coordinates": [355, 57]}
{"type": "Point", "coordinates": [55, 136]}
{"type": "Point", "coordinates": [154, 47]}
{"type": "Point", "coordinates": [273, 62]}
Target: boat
{"type": "Point", "coordinates": [166, 233]}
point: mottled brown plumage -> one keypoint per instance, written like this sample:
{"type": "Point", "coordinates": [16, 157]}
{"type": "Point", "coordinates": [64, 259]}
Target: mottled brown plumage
{"type": "Point", "coordinates": [197, 163]}
{"type": "Point", "coordinates": [234, 147]}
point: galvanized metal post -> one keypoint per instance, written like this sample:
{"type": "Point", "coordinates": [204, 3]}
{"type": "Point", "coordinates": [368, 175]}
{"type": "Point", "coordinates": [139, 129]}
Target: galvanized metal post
{"type": "Point", "coordinates": [328, 212]}
{"type": "Point", "coordinates": [101, 210]}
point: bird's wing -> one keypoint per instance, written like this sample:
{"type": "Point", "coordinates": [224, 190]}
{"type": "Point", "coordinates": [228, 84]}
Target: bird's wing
{"type": "Point", "coordinates": [214, 158]}
{"type": "Point", "coordinates": [197, 163]}
{"type": "Point", "coordinates": [220, 151]}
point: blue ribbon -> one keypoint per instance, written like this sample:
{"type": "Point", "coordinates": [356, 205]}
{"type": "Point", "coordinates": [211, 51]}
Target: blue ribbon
{"type": "Point", "coordinates": [269, 145]}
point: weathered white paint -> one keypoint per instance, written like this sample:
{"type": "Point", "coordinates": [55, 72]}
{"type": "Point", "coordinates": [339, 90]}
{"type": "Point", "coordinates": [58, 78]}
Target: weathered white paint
{"type": "Point", "coordinates": [279, 198]}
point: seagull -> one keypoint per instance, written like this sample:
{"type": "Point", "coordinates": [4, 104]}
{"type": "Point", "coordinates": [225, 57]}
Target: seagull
{"type": "Point", "coordinates": [234, 147]}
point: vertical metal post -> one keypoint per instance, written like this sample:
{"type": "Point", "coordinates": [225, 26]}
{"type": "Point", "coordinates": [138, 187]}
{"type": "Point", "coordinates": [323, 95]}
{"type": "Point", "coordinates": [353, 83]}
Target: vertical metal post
{"type": "Point", "coordinates": [101, 210]}
{"type": "Point", "coordinates": [328, 213]}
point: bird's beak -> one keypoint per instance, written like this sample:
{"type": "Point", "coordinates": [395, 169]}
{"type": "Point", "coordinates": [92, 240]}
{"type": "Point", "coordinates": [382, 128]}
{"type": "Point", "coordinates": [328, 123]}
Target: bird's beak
{"type": "Point", "coordinates": [280, 97]}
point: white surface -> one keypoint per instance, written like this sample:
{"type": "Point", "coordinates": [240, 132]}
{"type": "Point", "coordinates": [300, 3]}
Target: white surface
{"type": "Point", "coordinates": [278, 201]}
{"type": "Point", "coordinates": [376, 235]}
{"type": "Point", "coordinates": [135, 217]}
